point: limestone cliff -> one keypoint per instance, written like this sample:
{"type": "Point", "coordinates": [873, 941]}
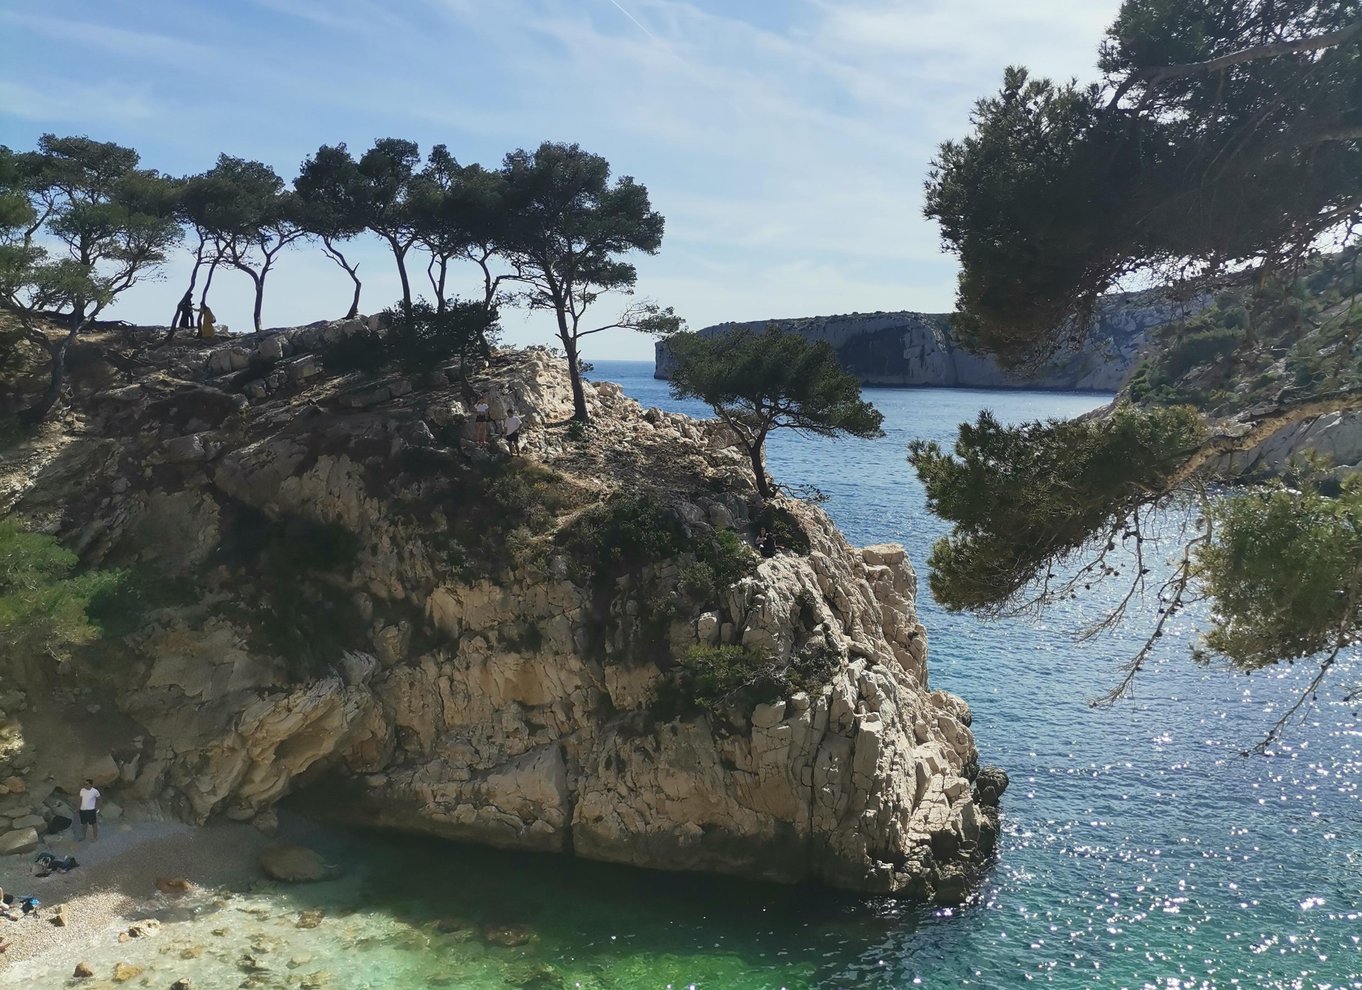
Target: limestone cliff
{"type": "Point", "coordinates": [918, 348]}
{"type": "Point", "coordinates": [494, 650]}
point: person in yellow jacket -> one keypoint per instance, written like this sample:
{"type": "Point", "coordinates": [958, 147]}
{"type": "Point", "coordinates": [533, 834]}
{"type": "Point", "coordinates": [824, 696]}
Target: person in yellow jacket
{"type": "Point", "coordinates": [206, 328]}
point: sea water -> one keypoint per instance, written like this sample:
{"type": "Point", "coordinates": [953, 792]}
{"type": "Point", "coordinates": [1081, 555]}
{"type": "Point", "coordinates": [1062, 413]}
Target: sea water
{"type": "Point", "coordinates": [1139, 848]}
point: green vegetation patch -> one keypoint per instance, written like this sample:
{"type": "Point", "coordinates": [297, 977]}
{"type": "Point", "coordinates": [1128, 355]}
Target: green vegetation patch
{"type": "Point", "coordinates": [498, 511]}
{"type": "Point", "coordinates": [615, 548]}
{"type": "Point", "coordinates": [46, 605]}
{"type": "Point", "coordinates": [717, 679]}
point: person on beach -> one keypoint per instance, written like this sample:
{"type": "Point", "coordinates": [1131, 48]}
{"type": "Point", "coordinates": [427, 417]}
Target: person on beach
{"type": "Point", "coordinates": [480, 415]}
{"type": "Point", "coordinates": [766, 543]}
{"type": "Point", "coordinates": [90, 803]}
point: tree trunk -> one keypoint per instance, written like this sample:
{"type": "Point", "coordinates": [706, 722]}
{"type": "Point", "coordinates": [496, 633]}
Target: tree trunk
{"type": "Point", "coordinates": [56, 379]}
{"type": "Point", "coordinates": [400, 253]}
{"type": "Point", "coordinates": [208, 282]}
{"type": "Point", "coordinates": [259, 295]}
{"type": "Point", "coordinates": [579, 411]}
{"type": "Point", "coordinates": [354, 303]}
{"type": "Point", "coordinates": [757, 454]}
{"type": "Point", "coordinates": [350, 270]}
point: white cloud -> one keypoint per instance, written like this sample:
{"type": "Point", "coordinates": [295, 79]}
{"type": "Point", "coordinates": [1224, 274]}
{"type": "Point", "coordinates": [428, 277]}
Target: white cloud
{"type": "Point", "coordinates": [786, 150]}
{"type": "Point", "coordinates": [59, 101]}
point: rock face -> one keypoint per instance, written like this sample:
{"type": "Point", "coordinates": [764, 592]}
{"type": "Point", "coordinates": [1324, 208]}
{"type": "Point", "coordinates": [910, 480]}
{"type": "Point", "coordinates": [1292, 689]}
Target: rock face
{"type": "Point", "coordinates": [1336, 437]}
{"type": "Point", "coordinates": [918, 349]}
{"type": "Point", "coordinates": [412, 624]}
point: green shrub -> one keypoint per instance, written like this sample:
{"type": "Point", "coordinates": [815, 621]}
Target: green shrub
{"type": "Point", "coordinates": [713, 679]}
{"type": "Point", "coordinates": [721, 561]}
{"type": "Point", "coordinates": [1198, 348]}
{"type": "Point", "coordinates": [119, 608]}
{"type": "Point", "coordinates": [45, 602]}
{"type": "Point", "coordinates": [363, 352]}
{"type": "Point", "coordinates": [623, 535]}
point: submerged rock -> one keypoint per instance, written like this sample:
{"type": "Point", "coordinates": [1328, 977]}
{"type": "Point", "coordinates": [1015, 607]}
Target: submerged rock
{"type": "Point", "coordinates": [294, 864]}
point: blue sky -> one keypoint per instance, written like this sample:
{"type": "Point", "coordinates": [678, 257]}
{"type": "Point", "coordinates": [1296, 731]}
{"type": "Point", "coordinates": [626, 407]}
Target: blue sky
{"type": "Point", "coordinates": [785, 141]}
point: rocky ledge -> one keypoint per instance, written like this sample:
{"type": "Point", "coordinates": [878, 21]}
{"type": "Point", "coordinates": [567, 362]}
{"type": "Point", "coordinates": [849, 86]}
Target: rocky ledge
{"type": "Point", "coordinates": [570, 651]}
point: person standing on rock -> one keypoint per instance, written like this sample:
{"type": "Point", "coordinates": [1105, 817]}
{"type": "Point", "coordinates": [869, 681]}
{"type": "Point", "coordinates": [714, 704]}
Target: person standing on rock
{"type": "Point", "coordinates": [206, 328]}
{"type": "Point", "coordinates": [90, 803]}
{"type": "Point", "coordinates": [184, 315]}
{"type": "Point", "coordinates": [480, 416]}
{"type": "Point", "coordinates": [496, 409]}
{"type": "Point", "coordinates": [512, 432]}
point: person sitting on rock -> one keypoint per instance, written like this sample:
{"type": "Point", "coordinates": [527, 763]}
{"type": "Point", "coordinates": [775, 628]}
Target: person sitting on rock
{"type": "Point", "coordinates": [766, 543]}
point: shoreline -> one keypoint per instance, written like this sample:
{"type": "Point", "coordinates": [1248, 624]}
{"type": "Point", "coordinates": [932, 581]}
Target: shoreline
{"type": "Point", "coordinates": [115, 884]}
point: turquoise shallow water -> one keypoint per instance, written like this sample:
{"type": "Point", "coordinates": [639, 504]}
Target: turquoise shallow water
{"type": "Point", "coordinates": [1139, 849]}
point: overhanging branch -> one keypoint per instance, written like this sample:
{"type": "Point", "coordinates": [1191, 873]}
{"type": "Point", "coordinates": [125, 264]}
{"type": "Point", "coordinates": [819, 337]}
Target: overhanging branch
{"type": "Point", "coordinates": [1158, 74]}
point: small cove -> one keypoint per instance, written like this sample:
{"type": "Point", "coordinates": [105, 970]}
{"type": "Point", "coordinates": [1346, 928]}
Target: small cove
{"type": "Point", "coordinates": [1139, 849]}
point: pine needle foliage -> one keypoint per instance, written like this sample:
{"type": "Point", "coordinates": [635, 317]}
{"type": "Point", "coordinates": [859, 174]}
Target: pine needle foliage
{"type": "Point", "coordinates": [1025, 498]}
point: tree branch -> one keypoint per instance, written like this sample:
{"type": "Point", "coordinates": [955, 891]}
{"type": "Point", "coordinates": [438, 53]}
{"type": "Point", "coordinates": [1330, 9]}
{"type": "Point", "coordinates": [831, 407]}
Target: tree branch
{"type": "Point", "coordinates": [1330, 39]}
{"type": "Point", "coordinates": [1158, 74]}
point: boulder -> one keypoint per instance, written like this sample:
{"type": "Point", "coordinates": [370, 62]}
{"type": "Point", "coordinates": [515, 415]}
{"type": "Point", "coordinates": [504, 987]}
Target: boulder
{"type": "Point", "coordinates": [123, 972]}
{"type": "Point", "coordinates": [989, 785]}
{"type": "Point", "coordinates": [293, 863]}
{"type": "Point", "coordinates": [23, 840]}
{"type": "Point", "coordinates": [83, 971]}
{"type": "Point", "coordinates": [507, 936]}
{"type": "Point", "coordinates": [271, 349]}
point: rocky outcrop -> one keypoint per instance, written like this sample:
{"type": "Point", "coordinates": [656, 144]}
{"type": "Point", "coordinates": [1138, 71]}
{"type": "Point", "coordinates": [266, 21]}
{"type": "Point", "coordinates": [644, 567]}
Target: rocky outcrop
{"type": "Point", "coordinates": [375, 605]}
{"type": "Point", "coordinates": [1335, 438]}
{"type": "Point", "coordinates": [918, 348]}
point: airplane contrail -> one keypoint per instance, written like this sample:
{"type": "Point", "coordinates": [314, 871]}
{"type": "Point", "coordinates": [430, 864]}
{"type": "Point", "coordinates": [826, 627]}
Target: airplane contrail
{"type": "Point", "coordinates": [637, 22]}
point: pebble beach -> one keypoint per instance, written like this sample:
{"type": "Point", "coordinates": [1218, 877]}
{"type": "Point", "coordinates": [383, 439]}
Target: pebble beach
{"type": "Point", "coordinates": [114, 886]}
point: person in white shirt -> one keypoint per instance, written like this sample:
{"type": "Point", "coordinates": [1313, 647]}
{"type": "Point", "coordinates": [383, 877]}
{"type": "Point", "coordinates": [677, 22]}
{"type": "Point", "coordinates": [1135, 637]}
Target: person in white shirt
{"type": "Point", "coordinates": [90, 802]}
{"type": "Point", "coordinates": [513, 433]}
{"type": "Point", "coordinates": [480, 418]}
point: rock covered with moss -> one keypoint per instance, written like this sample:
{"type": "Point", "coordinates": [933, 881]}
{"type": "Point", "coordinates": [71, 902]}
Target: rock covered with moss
{"type": "Point", "coordinates": [573, 651]}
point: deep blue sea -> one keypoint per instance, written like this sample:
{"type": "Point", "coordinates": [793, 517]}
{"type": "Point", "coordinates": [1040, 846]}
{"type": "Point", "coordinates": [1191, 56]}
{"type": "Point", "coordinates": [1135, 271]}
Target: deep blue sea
{"type": "Point", "coordinates": [1140, 849]}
